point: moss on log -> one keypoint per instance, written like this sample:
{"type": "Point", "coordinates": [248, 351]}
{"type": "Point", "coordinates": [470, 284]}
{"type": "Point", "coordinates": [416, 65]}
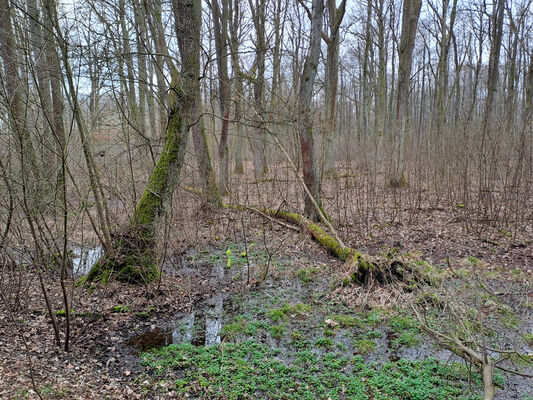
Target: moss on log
{"type": "Point", "coordinates": [361, 268]}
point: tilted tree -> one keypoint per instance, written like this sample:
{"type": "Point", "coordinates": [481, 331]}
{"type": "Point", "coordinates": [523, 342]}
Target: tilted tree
{"type": "Point", "coordinates": [134, 256]}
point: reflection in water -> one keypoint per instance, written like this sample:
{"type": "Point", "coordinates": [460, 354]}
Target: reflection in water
{"type": "Point", "coordinates": [184, 330]}
{"type": "Point", "coordinates": [201, 327]}
{"type": "Point", "coordinates": [213, 321]}
{"type": "Point", "coordinates": [84, 258]}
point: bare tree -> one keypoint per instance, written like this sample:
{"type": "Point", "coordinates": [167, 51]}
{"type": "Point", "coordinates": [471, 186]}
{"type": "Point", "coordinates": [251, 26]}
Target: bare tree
{"type": "Point", "coordinates": [305, 130]}
{"type": "Point", "coordinates": [411, 12]}
{"type": "Point", "coordinates": [220, 24]}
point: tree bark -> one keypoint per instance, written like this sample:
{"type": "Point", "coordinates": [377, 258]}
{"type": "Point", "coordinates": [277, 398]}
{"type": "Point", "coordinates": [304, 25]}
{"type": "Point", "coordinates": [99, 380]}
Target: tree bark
{"type": "Point", "coordinates": [336, 16]}
{"type": "Point", "coordinates": [220, 24]}
{"type": "Point", "coordinates": [210, 190]}
{"type": "Point", "coordinates": [234, 23]}
{"type": "Point", "coordinates": [410, 15]}
{"type": "Point", "coordinates": [305, 122]}
{"type": "Point", "coordinates": [258, 143]}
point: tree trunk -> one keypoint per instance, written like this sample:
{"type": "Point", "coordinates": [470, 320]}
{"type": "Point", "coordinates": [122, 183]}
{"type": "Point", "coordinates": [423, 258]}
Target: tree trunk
{"type": "Point", "coordinates": [134, 255]}
{"type": "Point", "coordinates": [220, 24]}
{"type": "Point", "coordinates": [258, 143]}
{"type": "Point", "coordinates": [210, 190]}
{"type": "Point", "coordinates": [305, 123]}
{"type": "Point", "coordinates": [410, 14]}
{"type": "Point", "coordinates": [332, 72]}
{"type": "Point", "coordinates": [234, 22]}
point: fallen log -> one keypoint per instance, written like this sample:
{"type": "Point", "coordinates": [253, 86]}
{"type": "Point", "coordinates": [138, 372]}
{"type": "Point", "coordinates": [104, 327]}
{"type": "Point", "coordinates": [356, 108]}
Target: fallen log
{"type": "Point", "coordinates": [359, 268]}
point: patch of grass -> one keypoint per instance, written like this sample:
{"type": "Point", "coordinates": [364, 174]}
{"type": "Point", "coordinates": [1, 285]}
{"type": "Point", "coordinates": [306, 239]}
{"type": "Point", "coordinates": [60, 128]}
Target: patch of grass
{"type": "Point", "coordinates": [326, 343]}
{"type": "Point", "coordinates": [364, 346]}
{"type": "Point", "coordinates": [528, 338]}
{"type": "Point", "coordinates": [145, 314]}
{"type": "Point", "coordinates": [408, 330]}
{"type": "Point", "coordinates": [235, 328]}
{"type": "Point", "coordinates": [346, 320]}
{"type": "Point", "coordinates": [329, 332]}
{"type": "Point", "coordinates": [63, 313]}
{"type": "Point", "coordinates": [509, 318]}
{"type": "Point", "coordinates": [251, 370]}
{"type": "Point", "coordinates": [400, 323]}
{"type": "Point", "coordinates": [297, 310]}
{"type": "Point", "coordinates": [276, 315]}
{"type": "Point", "coordinates": [407, 339]}
{"type": "Point", "coordinates": [373, 335]}
{"type": "Point", "coordinates": [373, 318]}
{"type": "Point", "coordinates": [298, 340]}
{"type": "Point", "coordinates": [307, 275]}
{"type": "Point", "coordinates": [277, 331]}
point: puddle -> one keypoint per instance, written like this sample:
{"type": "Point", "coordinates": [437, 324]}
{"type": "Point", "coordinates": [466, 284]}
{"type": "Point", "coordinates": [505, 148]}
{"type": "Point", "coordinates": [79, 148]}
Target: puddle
{"type": "Point", "coordinates": [84, 258]}
{"type": "Point", "coordinates": [200, 327]}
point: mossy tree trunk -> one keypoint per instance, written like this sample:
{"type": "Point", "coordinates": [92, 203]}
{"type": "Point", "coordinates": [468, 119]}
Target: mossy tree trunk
{"type": "Point", "coordinates": [133, 257]}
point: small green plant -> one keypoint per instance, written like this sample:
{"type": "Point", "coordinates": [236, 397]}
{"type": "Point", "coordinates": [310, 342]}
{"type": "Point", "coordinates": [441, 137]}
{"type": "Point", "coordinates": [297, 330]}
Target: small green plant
{"type": "Point", "coordinates": [401, 323]}
{"type": "Point", "coordinates": [364, 346]}
{"type": "Point", "coordinates": [277, 331]}
{"type": "Point", "coordinates": [121, 309]}
{"type": "Point", "coordinates": [307, 275]}
{"type": "Point", "coordinates": [528, 338]}
{"type": "Point", "coordinates": [145, 314]}
{"type": "Point", "coordinates": [326, 343]}
{"type": "Point", "coordinates": [297, 310]}
{"type": "Point", "coordinates": [344, 321]}
{"type": "Point", "coordinates": [230, 258]}
{"type": "Point", "coordinates": [276, 315]}
{"type": "Point", "coordinates": [373, 335]}
{"type": "Point", "coordinates": [407, 339]}
{"type": "Point", "coordinates": [329, 332]}
{"type": "Point", "coordinates": [63, 313]}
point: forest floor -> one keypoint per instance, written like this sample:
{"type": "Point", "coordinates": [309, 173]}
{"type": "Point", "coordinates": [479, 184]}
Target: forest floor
{"type": "Point", "coordinates": [256, 310]}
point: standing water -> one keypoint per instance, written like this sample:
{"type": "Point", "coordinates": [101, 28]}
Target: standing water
{"type": "Point", "coordinates": [200, 327]}
{"type": "Point", "coordinates": [84, 258]}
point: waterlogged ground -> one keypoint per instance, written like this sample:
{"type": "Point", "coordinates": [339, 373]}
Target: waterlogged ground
{"type": "Point", "coordinates": [287, 338]}
{"type": "Point", "coordinates": [259, 311]}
